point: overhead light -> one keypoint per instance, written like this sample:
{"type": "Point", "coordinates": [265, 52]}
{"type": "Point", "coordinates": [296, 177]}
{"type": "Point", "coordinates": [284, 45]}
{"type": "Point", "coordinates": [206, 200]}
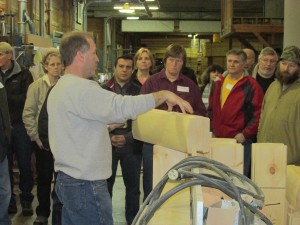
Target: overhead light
{"type": "Point", "coordinates": [190, 35]}
{"type": "Point", "coordinates": [132, 17]}
{"type": "Point", "coordinates": [136, 7]}
{"type": "Point", "coordinates": [126, 8]}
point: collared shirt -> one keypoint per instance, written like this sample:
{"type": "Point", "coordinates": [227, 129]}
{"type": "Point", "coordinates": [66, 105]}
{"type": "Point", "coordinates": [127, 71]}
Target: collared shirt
{"type": "Point", "coordinates": [122, 90]}
{"type": "Point", "coordinates": [184, 87]}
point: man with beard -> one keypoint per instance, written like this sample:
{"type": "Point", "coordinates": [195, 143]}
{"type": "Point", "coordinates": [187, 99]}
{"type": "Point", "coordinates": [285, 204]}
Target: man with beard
{"type": "Point", "coordinates": [280, 117]}
{"type": "Point", "coordinates": [264, 71]}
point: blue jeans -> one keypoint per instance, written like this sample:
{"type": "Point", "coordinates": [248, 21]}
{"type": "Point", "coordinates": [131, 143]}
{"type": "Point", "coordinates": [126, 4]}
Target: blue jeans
{"type": "Point", "coordinates": [5, 193]}
{"type": "Point", "coordinates": [84, 202]}
{"type": "Point", "coordinates": [147, 169]}
{"type": "Point", "coordinates": [56, 205]}
{"type": "Point", "coordinates": [131, 166]}
{"type": "Point", "coordinates": [21, 147]}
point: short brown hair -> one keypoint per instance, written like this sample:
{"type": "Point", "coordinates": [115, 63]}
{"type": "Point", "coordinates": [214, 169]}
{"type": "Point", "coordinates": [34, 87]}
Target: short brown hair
{"type": "Point", "coordinates": [71, 43]}
{"type": "Point", "coordinates": [176, 51]}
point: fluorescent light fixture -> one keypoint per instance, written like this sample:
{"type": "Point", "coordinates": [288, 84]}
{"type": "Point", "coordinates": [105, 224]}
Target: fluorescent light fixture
{"type": "Point", "coordinates": [137, 7]}
{"type": "Point", "coordinates": [190, 35]}
{"type": "Point", "coordinates": [126, 8]}
{"type": "Point", "coordinates": [134, 7]}
{"type": "Point", "coordinates": [153, 7]}
{"type": "Point", "coordinates": [132, 17]}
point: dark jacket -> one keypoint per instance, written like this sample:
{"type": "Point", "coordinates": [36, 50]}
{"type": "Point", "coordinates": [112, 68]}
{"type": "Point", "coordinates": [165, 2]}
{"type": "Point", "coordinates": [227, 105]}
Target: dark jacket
{"type": "Point", "coordinates": [132, 145]}
{"type": "Point", "coordinates": [43, 123]}
{"type": "Point", "coordinates": [5, 127]}
{"type": "Point", "coordinates": [16, 82]}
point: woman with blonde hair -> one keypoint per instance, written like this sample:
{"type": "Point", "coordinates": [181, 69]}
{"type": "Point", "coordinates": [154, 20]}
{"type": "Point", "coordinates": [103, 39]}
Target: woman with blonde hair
{"type": "Point", "coordinates": [144, 63]}
{"type": "Point", "coordinates": [36, 94]}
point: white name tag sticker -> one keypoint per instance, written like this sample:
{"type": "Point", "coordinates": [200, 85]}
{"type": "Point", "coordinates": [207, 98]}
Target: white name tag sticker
{"type": "Point", "coordinates": [1, 85]}
{"type": "Point", "coordinates": [183, 89]}
{"type": "Point", "coordinates": [229, 86]}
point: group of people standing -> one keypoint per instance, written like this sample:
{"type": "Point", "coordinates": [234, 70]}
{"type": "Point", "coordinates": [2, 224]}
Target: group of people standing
{"type": "Point", "coordinates": [25, 98]}
{"type": "Point", "coordinates": [90, 127]}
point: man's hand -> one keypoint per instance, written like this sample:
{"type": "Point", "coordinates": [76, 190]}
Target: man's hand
{"type": "Point", "coordinates": [118, 141]}
{"type": "Point", "coordinates": [172, 99]}
{"type": "Point", "coordinates": [113, 126]}
{"type": "Point", "coordinates": [40, 144]}
{"type": "Point", "coordinates": [240, 138]}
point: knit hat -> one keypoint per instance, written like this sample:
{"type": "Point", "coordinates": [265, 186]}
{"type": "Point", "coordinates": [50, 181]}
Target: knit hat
{"type": "Point", "coordinates": [291, 53]}
{"type": "Point", "coordinates": [5, 47]}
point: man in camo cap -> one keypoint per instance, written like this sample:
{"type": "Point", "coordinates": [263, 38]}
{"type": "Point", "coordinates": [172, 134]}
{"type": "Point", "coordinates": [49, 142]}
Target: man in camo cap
{"type": "Point", "coordinates": [280, 117]}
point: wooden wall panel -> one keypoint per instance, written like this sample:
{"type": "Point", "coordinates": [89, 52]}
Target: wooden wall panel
{"type": "Point", "coordinates": [269, 162]}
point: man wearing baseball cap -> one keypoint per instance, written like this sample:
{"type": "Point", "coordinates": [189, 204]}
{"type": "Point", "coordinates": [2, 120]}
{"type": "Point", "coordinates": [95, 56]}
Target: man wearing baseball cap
{"type": "Point", "coordinates": [280, 117]}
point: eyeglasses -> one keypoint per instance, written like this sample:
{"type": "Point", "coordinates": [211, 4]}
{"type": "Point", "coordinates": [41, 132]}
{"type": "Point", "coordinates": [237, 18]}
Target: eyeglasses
{"type": "Point", "coordinates": [271, 61]}
{"type": "Point", "coordinates": [54, 64]}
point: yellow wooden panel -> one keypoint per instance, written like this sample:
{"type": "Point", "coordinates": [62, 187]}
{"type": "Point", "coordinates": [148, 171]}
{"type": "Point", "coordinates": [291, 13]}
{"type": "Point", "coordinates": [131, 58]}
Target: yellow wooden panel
{"type": "Point", "coordinates": [294, 218]}
{"type": "Point", "coordinates": [231, 155]}
{"type": "Point", "coordinates": [163, 159]}
{"type": "Point", "coordinates": [226, 152]}
{"type": "Point", "coordinates": [175, 211]}
{"type": "Point", "coordinates": [269, 162]}
{"type": "Point", "coordinates": [293, 187]}
{"type": "Point", "coordinates": [178, 131]}
{"type": "Point", "coordinates": [197, 203]}
{"type": "Point", "coordinates": [206, 152]}
{"type": "Point", "coordinates": [275, 205]}
{"type": "Point", "coordinates": [222, 140]}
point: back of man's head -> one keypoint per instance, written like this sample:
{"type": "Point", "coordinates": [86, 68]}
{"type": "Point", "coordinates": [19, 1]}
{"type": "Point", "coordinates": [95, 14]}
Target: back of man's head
{"type": "Point", "coordinates": [5, 47]}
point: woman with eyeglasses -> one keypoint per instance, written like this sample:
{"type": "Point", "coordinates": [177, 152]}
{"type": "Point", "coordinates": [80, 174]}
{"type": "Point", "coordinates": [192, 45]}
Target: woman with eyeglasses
{"type": "Point", "coordinates": [36, 94]}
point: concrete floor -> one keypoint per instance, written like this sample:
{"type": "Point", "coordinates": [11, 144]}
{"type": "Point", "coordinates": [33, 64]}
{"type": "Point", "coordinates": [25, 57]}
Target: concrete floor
{"type": "Point", "coordinates": [118, 205]}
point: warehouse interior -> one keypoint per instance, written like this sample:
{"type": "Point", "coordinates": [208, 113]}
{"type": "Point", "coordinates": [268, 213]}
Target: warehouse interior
{"type": "Point", "coordinates": [206, 28]}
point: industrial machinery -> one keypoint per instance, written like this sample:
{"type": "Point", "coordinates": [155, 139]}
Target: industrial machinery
{"type": "Point", "coordinates": [198, 170]}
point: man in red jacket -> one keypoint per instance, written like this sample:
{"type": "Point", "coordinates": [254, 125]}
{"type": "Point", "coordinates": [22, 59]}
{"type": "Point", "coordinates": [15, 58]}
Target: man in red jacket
{"type": "Point", "coordinates": [235, 103]}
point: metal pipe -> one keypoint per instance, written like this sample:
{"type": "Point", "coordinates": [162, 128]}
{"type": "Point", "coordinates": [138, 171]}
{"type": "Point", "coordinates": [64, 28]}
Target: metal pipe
{"type": "Point", "coordinates": [21, 23]}
{"type": "Point", "coordinates": [147, 9]}
{"type": "Point", "coordinates": [42, 18]}
{"type": "Point", "coordinates": [12, 22]}
{"type": "Point", "coordinates": [85, 7]}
